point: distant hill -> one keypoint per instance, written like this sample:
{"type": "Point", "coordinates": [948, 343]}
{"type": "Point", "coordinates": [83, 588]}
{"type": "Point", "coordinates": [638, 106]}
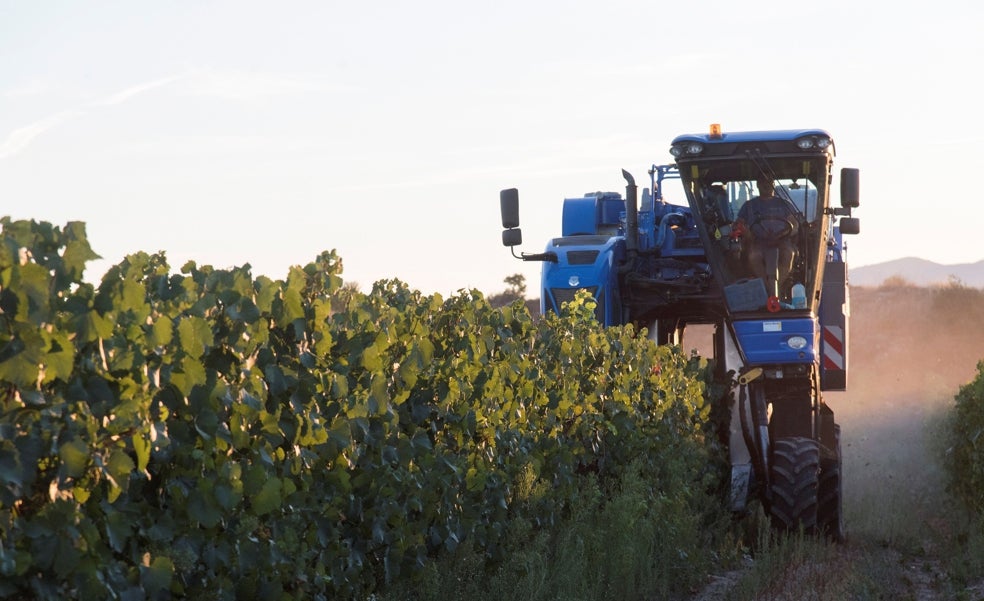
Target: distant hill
{"type": "Point", "coordinates": [919, 272]}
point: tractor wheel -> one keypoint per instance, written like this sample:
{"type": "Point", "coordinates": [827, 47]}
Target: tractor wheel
{"type": "Point", "coordinates": [793, 482]}
{"type": "Point", "coordinates": [830, 516]}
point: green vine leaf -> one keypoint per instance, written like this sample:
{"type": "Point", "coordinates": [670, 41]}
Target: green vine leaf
{"type": "Point", "coordinates": [74, 457]}
{"type": "Point", "coordinates": [268, 498]}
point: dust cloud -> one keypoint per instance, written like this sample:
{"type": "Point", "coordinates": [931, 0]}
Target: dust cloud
{"type": "Point", "coordinates": [911, 349]}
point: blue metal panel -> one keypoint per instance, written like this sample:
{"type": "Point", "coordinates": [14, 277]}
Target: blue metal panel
{"type": "Point", "coordinates": [580, 216]}
{"type": "Point", "coordinates": [611, 209]}
{"type": "Point", "coordinates": [750, 136]}
{"type": "Point", "coordinates": [764, 341]}
{"type": "Point", "coordinates": [560, 280]}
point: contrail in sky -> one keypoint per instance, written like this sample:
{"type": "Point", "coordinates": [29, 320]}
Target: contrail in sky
{"type": "Point", "coordinates": [132, 91]}
{"type": "Point", "coordinates": [20, 138]}
{"type": "Point", "coordinates": [226, 85]}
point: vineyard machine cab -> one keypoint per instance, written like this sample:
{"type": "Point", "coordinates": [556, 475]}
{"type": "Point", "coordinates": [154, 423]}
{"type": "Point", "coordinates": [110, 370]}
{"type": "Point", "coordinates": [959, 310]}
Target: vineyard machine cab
{"type": "Point", "coordinates": [771, 284]}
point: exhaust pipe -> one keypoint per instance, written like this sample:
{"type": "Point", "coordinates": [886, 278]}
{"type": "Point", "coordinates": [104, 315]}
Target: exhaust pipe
{"type": "Point", "coordinates": [631, 215]}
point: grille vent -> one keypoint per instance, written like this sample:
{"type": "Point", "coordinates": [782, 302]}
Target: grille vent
{"type": "Point", "coordinates": [581, 257]}
{"type": "Point", "coordinates": [564, 295]}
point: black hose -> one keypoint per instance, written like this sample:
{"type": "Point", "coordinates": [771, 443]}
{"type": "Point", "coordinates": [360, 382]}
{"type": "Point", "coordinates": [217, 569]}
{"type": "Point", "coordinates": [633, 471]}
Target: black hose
{"type": "Point", "coordinates": [746, 430]}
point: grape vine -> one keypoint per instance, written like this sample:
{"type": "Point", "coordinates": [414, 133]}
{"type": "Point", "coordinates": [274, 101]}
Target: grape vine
{"type": "Point", "coordinates": [212, 434]}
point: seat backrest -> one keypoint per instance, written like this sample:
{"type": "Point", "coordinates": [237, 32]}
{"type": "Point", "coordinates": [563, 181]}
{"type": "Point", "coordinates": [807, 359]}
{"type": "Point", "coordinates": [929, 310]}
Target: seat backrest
{"type": "Point", "coordinates": [719, 196]}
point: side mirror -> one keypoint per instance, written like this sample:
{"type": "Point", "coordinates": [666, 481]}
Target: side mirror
{"type": "Point", "coordinates": [512, 237]}
{"type": "Point", "coordinates": [849, 225]}
{"type": "Point", "coordinates": [509, 206]}
{"type": "Point", "coordinates": [850, 184]}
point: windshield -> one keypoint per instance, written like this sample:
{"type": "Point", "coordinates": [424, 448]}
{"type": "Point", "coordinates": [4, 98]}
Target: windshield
{"type": "Point", "coordinates": [764, 227]}
{"type": "Point", "coordinates": [731, 196]}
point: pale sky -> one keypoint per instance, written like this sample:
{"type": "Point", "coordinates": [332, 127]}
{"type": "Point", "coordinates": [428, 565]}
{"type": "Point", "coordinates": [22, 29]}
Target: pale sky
{"type": "Point", "coordinates": [232, 132]}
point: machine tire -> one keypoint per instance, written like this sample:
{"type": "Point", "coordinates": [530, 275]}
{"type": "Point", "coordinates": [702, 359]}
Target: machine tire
{"type": "Point", "coordinates": [830, 513]}
{"type": "Point", "coordinates": [794, 479]}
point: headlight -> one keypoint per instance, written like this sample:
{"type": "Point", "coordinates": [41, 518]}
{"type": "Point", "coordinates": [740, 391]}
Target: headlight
{"type": "Point", "coordinates": [808, 142]}
{"type": "Point", "coordinates": [686, 148]}
{"type": "Point", "coordinates": [796, 342]}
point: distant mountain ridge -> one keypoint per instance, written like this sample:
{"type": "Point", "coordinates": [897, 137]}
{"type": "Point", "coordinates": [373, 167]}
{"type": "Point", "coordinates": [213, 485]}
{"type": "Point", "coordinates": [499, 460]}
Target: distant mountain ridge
{"type": "Point", "coordinates": [919, 272]}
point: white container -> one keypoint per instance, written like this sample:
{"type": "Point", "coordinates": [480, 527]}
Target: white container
{"type": "Point", "coordinates": [799, 296]}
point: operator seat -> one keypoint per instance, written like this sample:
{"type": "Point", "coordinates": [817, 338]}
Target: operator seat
{"type": "Point", "coordinates": [773, 225]}
{"type": "Point", "coordinates": [719, 200]}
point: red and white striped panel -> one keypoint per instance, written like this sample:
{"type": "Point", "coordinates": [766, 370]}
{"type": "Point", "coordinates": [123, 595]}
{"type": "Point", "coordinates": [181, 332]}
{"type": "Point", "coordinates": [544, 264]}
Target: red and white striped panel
{"type": "Point", "coordinates": [833, 347]}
